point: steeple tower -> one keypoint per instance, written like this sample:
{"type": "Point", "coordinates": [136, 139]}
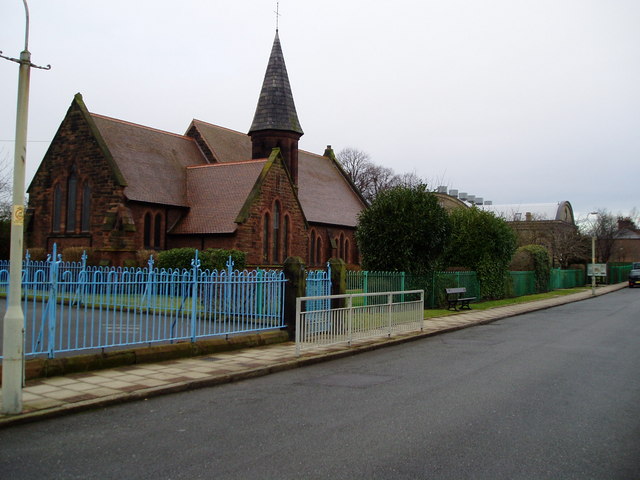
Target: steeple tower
{"type": "Point", "coordinates": [275, 123]}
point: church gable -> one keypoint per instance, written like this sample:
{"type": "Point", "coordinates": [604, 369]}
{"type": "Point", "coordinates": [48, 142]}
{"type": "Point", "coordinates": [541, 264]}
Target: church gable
{"type": "Point", "coordinates": [76, 183]}
{"type": "Point", "coordinates": [271, 223]}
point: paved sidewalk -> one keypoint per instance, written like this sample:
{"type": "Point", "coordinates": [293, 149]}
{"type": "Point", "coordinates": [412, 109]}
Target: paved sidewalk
{"type": "Point", "coordinates": [48, 397]}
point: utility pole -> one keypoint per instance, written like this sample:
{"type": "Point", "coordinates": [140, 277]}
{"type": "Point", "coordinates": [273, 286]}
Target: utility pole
{"type": "Point", "coordinates": [13, 328]}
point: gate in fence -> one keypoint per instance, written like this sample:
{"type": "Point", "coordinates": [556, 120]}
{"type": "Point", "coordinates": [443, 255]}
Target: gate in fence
{"type": "Point", "coordinates": [73, 307]}
{"type": "Point", "coordinates": [318, 285]}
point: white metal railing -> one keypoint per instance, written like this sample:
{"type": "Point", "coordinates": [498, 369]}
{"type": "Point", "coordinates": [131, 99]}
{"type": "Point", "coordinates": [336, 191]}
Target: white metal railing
{"type": "Point", "coordinates": [363, 315]}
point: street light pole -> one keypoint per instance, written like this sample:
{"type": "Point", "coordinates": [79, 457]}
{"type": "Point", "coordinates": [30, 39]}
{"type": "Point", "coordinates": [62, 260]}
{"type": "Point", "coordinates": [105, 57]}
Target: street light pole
{"type": "Point", "coordinates": [13, 328]}
{"type": "Point", "coordinates": [593, 257]}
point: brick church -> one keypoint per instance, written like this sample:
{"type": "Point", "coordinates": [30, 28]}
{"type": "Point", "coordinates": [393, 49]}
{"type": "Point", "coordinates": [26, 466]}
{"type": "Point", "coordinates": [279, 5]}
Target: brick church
{"type": "Point", "coordinates": [118, 187]}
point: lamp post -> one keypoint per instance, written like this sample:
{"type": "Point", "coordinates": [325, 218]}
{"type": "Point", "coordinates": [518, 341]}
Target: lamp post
{"type": "Point", "coordinates": [593, 256]}
{"type": "Point", "coordinates": [13, 328]}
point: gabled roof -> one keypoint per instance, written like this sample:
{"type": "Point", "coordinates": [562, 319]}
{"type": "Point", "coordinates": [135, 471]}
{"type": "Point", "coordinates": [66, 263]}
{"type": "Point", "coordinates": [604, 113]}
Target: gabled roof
{"type": "Point", "coordinates": [225, 145]}
{"type": "Point", "coordinates": [152, 162]}
{"type": "Point", "coordinates": [217, 194]}
{"type": "Point", "coordinates": [276, 109]}
{"type": "Point", "coordinates": [325, 193]}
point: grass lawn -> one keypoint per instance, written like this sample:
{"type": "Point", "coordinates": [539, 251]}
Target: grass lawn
{"type": "Point", "coordinates": [431, 313]}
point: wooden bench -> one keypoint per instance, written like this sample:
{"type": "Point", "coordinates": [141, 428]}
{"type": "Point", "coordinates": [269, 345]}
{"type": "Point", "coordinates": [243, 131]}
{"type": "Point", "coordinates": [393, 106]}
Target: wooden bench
{"type": "Point", "coordinates": [455, 297]}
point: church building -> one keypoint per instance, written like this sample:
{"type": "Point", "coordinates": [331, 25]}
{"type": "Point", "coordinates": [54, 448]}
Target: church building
{"type": "Point", "coordinates": [118, 188]}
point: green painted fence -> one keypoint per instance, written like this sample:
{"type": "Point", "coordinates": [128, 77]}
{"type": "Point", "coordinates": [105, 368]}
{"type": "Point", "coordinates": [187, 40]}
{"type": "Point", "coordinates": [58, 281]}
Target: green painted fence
{"type": "Point", "coordinates": [434, 284]}
{"type": "Point", "coordinates": [618, 273]}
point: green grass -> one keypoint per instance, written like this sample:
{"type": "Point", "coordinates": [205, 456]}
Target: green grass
{"type": "Point", "coordinates": [437, 312]}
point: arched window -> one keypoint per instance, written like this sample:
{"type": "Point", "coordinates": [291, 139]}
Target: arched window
{"type": "Point", "coordinates": [319, 258]}
{"type": "Point", "coordinates": [57, 208]}
{"type": "Point", "coordinates": [286, 233]}
{"type": "Point", "coordinates": [85, 224]}
{"type": "Point", "coordinates": [347, 256]}
{"type": "Point", "coordinates": [312, 247]}
{"type": "Point", "coordinates": [276, 232]}
{"type": "Point", "coordinates": [341, 246]}
{"type": "Point", "coordinates": [147, 230]}
{"type": "Point", "coordinates": [72, 198]}
{"type": "Point", "coordinates": [265, 238]}
{"type": "Point", "coordinates": [157, 231]}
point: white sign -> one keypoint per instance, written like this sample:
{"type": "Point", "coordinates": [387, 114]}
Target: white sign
{"type": "Point", "coordinates": [597, 269]}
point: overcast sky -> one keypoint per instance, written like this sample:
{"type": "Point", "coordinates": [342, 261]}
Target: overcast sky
{"type": "Point", "coordinates": [515, 101]}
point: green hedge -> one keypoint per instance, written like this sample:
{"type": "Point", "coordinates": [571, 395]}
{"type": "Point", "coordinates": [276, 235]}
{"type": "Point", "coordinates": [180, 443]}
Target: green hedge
{"type": "Point", "coordinates": [210, 259]}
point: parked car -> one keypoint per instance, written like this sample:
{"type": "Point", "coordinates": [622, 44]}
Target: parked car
{"type": "Point", "coordinates": [634, 275]}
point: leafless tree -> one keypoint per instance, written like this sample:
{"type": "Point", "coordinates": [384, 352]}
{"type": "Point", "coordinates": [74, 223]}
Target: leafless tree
{"type": "Point", "coordinates": [355, 163]}
{"type": "Point", "coordinates": [410, 180]}
{"type": "Point", "coordinates": [604, 229]}
{"type": "Point", "coordinates": [370, 178]}
{"type": "Point", "coordinates": [569, 246]}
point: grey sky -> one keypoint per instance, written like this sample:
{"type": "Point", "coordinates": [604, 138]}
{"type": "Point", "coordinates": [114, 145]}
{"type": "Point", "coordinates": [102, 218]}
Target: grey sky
{"type": "Point", "coordinates": [517, 101]}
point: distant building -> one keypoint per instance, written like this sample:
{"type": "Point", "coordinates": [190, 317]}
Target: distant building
{"type": "Point", "coordinates": [119, 187]}
{"type": "Point", "coordinates": [551, 225]}
{"type": "Point", "coordinates": [626, 242]}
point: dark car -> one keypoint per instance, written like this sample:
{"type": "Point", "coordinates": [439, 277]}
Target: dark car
{"type": "Point", "coordinates": [634, 275]}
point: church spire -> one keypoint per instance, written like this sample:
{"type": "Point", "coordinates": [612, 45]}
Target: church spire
{"type": "Point", "coordinates": [275, 123]}
{"type": "Point", "coordinates": [276, 109]}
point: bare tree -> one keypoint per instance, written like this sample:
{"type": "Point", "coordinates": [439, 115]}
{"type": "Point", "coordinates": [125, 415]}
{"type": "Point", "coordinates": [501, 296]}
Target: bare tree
{"type": "Point", "coordinates": [409, 180]}
{"type": "Point", "coordinates": [355, 163]}
{"type": "Point", "coordinates": [604, 229]}
{"type": "Point", "coordinates": [369, 178]}
{"type": "Point", "coordinates": [569, 246]}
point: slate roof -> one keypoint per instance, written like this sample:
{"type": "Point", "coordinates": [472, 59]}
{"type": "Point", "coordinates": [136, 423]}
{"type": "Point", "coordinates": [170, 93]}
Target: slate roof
{"type": "Point", "coordinates": [276, 109]}
{"type": "Point", "coordinates": [153, 162]}
{"type": "Point", "coordinates": [325, 195]}
{"type": "Point", "coordinates": [225, 145]}
{"type": "Point", "coordinates": [216, 194]}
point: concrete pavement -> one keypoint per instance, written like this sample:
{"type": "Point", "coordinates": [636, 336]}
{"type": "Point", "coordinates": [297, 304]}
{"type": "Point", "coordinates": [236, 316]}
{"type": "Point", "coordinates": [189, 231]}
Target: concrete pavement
{"type": "Point", "coordinates": [49, 397]}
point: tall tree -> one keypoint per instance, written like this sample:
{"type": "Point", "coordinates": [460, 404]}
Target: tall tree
{"type": "Point", "coordinates": [484, 243]}
{"type": "Point", "coordinates": [604, 229]}
{"type": "Point", "coordinates": [404, 229]}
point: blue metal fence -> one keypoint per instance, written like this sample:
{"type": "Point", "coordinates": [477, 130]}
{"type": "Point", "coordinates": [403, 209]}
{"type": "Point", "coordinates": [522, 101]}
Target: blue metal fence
{"type": "Point", "coordinates": [318, 283]}
{"type": "Point", "coordinates": [73, 307]}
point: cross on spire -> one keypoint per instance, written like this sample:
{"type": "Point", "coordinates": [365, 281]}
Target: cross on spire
{"type": "Point", "coordinates": [277, 12]}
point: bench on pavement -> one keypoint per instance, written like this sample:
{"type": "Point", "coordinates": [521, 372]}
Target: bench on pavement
{"type": "Point", "coordinates": [456, 296]}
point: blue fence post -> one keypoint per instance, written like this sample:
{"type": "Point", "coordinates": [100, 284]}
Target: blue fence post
{"type": "Point", "coordinates": [195, 265]}
{"type": "Point", "coordinates": [52, 302]}
{"type": "Point", "coordinates": [228, 287]}
{"type": "Point", "coordinates": [259, 293]}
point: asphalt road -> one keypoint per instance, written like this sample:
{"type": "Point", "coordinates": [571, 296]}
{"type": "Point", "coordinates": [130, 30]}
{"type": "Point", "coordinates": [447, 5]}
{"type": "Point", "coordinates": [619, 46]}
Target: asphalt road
{"type": "Point", "coordinates": [549, 395]}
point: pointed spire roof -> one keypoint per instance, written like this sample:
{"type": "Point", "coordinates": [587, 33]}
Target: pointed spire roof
{"type": "Point", "coordinates": [276, 109]}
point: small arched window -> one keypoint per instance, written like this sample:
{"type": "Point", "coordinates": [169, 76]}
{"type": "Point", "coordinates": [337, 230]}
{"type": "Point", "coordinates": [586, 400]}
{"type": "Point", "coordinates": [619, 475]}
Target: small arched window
{"type": "Point", "coordinates": [85, 218]}
{"type": "Point", "coordinates": [286, 233]}
{"type": "Point", "coordinates": [265, 238]}
{"type": "Point", "coordinates": [319, 258]}
{"type": "Point", "coordinates": [312, 248]}
{"type": "Point", "coordinates": [157, 231]}
{"type": "Point", "coordinates": [72, 198]}
{"type": "Point", "coordinates": [276, 232]}
{"type": "Point", "coordinates": [147, 230]}
{"type": "Point", "coordinates": [57, 208]}
{"type": "Point", "coordinates": [347, 253]}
